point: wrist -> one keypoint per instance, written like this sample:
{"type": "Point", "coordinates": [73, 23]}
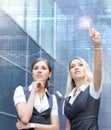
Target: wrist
{"type": "Point", "coordinates": [32, 125]}
{"type": "Point", "coordinates": [97, 44]}
{"type": "Point", "coordinates": [33, 91]}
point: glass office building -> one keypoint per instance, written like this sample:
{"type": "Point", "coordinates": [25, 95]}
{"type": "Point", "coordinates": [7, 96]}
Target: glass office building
{"type": "Point", "coordinates": [56, 30]}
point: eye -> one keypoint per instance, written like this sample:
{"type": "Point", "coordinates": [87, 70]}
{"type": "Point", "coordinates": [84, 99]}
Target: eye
{"type": "Point", "coordinates": [72, 66]}
{"type": "Point", "coordinates": [44, 68]}
{"type": "Point", "coordinates": [80, 64]}
{"type": "Point", "coordinates": [35, 68]}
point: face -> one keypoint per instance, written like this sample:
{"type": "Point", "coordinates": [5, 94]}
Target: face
{"type": "Point", "coordinates": [77, 69]}
{"type": "Point", "coordinates": [40, 71]}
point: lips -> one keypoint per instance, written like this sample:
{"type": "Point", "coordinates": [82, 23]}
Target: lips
{"type": "Point", "coordinates": [77, 72]}
{"type": "Point", "coordinates": [39, 76]}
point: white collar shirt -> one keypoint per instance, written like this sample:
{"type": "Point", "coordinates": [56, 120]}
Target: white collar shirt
{"type": "Point", "coordinates": [82, 88]}
{"type": "Point", "coordinates": [39, 105]}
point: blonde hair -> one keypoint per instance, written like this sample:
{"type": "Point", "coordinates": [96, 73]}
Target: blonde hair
{"type": "Point", "coordinates": [88, 78]}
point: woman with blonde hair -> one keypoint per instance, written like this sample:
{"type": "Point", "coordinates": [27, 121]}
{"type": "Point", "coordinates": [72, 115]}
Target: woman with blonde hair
{"type": "Point", "coordinates": [81, 106]}
{"type": "Point", "coordinates": [88, 77]}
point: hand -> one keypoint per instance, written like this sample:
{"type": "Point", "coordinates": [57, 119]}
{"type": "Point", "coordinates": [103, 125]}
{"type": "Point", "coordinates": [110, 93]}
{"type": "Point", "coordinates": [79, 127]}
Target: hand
{"type": "Point", "coordinates": [38, 84]}
{"type": "Point", "coordinates": [94, 36]}
{"type": "Point", "coordinates": [20, 125]}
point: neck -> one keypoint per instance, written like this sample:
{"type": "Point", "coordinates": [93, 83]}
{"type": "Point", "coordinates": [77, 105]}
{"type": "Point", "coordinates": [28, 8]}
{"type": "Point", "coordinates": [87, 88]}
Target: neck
{"type": "Point", "coordinates": [79, 83]}
{"type": "Point", "coordinates": [41, 93]}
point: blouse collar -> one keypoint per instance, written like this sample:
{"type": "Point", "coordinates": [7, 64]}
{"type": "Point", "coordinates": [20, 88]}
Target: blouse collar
{"type": "Point", "coordinates": [81, 88]}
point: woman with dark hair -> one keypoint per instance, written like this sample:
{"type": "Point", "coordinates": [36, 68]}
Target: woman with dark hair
{"type": "Point", "coordinates": [81, 106]}
{"type": "Point", "coordinates": [36, 108]}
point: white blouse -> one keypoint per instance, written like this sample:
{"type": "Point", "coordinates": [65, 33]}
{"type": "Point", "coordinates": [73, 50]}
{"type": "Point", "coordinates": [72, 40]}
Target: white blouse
{"type": "Point", "coordinates": [93, 93]}
{"type": "Point", "coordinates": [40, 106]}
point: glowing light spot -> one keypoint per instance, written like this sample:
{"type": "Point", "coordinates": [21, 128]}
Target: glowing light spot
{"type": "Point", "coordinates": [84, 23]}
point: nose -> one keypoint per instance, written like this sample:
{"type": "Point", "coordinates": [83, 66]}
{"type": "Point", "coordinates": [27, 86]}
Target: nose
{"type": "Point", "coordinates": [39, 70]}
{"type": "Point", "coordinates": [76, 67]}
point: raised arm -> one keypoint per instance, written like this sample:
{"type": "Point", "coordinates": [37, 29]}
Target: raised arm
{"type": "Point", "coordinates": [96, 39]}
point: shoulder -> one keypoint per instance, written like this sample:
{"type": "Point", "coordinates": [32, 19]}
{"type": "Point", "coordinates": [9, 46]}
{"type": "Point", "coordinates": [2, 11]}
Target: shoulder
{"type": "Point", "coordinates": [18, 89]}
{"type": "Point", "coordinates": [22, 88]}
{"type": "Point", "coordinates": [18, 95]}
{"type": "Point", "coordinates": [93, 93]}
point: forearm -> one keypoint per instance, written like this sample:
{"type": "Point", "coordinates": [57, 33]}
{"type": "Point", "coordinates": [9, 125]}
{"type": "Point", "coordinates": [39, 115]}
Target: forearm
{"type": "Point", "coordinates": [46, 127]}
{"type": "Point", "coordinates": [96, 39]}
{"type": "Point", "coordinates": [25, 110]}
{"type": "Point", "coordinates": [20, 126]}
{"type": "Point", "coordinates": [53, 126]}
{"type": "Point", "coordinates": [97, 67]}
{"type": "Point", "coordinates": [67, 125]}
